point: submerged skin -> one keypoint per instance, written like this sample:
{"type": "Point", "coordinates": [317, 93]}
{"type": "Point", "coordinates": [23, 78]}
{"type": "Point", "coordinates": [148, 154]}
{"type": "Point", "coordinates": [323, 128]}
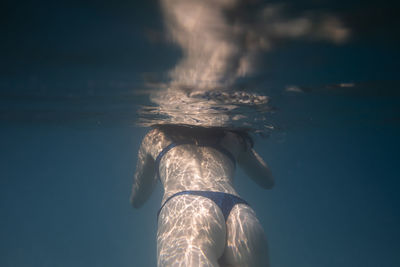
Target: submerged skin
{"type": "Point", "coordinates": [191, 229]}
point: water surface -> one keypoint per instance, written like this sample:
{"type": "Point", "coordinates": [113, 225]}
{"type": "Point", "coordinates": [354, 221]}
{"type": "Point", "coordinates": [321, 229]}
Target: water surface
{"type": "Point", "coordinates": [74, 75]}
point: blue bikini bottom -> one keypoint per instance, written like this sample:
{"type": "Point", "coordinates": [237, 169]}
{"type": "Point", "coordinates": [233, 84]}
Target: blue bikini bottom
{"type": "Point", "coordinates": [224, 201]}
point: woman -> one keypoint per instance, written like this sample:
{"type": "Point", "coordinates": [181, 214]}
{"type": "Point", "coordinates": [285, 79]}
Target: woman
{"type": "Point", "coordinates": [202, 220]}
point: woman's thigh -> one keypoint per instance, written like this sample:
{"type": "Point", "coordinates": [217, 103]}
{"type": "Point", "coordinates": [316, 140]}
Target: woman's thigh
{"type": "Point", "coordinates": [246, 242]}
{"type": "Point", "coordinates": [191, 232]}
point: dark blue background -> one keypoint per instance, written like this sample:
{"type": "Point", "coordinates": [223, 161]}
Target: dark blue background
{"type": "Point", "coordinates": [70, 77]}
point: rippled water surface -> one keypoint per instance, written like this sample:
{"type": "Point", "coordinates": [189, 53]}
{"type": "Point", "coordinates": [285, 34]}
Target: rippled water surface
{"type": "Point", "coordinates": [317, 84]}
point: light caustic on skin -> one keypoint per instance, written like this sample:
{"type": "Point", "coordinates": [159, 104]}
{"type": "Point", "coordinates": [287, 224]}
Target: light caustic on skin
{"type": "Point", "coordinates": [192, 230]}
{"type": "Point", "coordinates": [239, 241]}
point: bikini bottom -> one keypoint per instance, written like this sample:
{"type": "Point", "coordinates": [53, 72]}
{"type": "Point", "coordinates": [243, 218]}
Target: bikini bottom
{"type": "Point", "coordinates": [224, 201]}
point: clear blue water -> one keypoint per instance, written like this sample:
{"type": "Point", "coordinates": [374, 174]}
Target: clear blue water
{"type": "Point", "coordinates": [69, 92]}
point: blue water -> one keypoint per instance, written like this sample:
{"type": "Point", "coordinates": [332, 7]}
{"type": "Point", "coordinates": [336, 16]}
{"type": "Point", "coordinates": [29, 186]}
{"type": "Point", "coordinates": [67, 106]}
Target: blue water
{"type": "Point", "coordinates": [68, 140]}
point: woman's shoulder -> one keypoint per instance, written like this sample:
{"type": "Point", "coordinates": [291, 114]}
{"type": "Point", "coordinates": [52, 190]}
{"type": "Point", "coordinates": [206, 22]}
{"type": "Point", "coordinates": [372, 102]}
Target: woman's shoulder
{"type": "Point", "coordinates": [154, 141]}
{"type": "Point", "coordinates": [155, 136]}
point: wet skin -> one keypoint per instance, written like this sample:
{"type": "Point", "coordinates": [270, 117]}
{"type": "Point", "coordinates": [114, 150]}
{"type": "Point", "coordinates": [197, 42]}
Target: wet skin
{"type": "Point", "coordinates": [192, 230]}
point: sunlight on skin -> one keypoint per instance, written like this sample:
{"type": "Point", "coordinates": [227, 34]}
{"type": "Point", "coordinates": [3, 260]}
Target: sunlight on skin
{"type": "Point", "coordinates": [191, 232]}
{"type": "Point", "coordinates": [191, 229]}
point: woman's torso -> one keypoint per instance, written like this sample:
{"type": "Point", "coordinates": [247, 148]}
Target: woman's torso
{"type": "Point", "coordinates": [191, 166]}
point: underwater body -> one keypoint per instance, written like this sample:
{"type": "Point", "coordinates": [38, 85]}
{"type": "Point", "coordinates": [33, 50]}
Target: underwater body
{"type": "Point", "coordinates": [69, 138]}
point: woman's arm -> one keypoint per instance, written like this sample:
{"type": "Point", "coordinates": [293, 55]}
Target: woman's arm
{"type": "Point", "coordinates": [255, 167]}
{"type": "Point", "coordinates": [145, 178]}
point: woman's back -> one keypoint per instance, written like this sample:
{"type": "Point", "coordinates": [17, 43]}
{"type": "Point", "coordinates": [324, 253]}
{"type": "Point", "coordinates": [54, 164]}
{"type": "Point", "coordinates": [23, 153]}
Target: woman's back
{"type": "Point", "coordinates": [196, 159]}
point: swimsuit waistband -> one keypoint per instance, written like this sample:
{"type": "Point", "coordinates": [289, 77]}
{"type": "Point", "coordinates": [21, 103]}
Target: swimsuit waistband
{"type": "Point", "coordinates": [224, 201]}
